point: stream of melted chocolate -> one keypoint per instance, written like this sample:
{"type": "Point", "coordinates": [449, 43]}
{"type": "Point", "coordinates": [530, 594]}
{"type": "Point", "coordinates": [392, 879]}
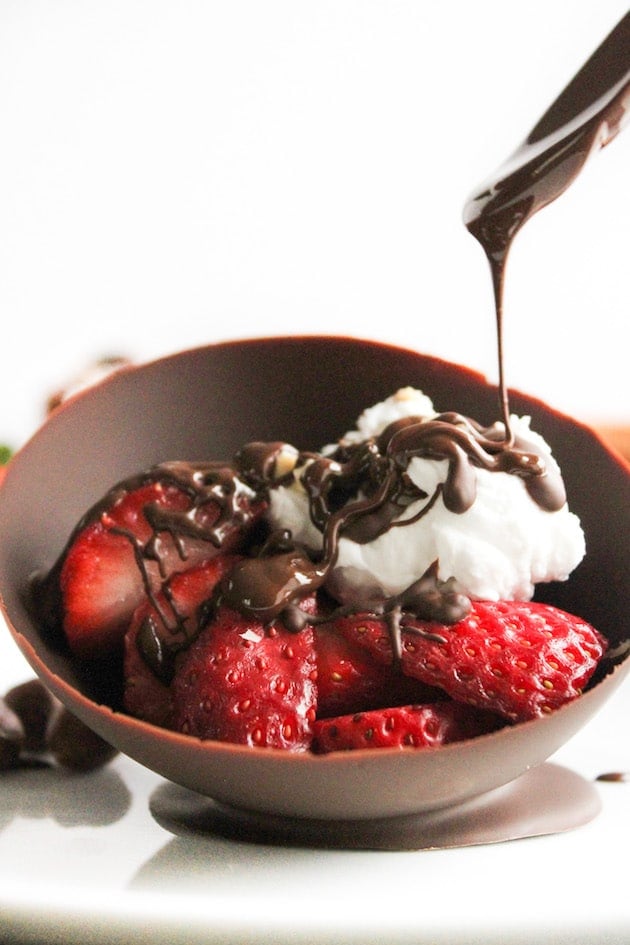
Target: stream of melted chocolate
{"type": "Point", "coordinates": [585, 117]}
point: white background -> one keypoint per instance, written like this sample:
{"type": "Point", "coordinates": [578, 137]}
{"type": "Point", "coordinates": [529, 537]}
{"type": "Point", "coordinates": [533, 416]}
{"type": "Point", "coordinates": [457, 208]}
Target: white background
{"type": "Point", "coordinates": [174, 172]}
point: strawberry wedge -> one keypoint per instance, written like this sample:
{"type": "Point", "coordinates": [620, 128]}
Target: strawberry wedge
{"type": "Point", "coordinates": [127, 549]}
{"type": "Point", "coordinates": [520, 659]}
{"type": "Point", "coordinates": [247, 683]}
{"type": "Point", "coordinates": [410, 726]}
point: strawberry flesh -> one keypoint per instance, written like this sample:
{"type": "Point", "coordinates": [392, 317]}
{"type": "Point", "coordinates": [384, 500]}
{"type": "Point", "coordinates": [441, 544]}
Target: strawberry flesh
{"type": "Point", "coordinates": [519, 659]}
{"type": "Point", "coordinates": [350, 679]}
{"type": "Point", "coordinates": [120, 556]}
{"type": "Point", "coordinates": [158, 630]}
{"type": "Point", "coordinates": [411, 726]}
{"type": "Point", "coordinates": [247, 683]}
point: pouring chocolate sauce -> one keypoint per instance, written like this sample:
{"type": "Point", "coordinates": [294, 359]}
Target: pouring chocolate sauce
{"type": "Point", "coordinates": [584, 118]}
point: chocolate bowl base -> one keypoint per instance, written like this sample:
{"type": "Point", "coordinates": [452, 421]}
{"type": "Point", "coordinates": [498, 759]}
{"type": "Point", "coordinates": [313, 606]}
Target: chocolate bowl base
{"type": "Point", "coordinates": [548, 799]}
{"type": "Point", "coordinates": [205, 404]}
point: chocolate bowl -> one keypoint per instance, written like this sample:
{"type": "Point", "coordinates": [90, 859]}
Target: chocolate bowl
{"type": "Point", "coordinates": [207, 402]}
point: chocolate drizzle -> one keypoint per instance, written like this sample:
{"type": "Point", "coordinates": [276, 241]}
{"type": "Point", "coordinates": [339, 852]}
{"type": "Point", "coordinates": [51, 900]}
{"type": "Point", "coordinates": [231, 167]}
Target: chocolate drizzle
{"type": "Point", "coordinates": [214, 508]}
{"type": "Point", "coordinates": [362, 490]}
{"type": "Point", "coordinates": [465, 444]}
{"type": "Point", "coordinates": [215, 505]}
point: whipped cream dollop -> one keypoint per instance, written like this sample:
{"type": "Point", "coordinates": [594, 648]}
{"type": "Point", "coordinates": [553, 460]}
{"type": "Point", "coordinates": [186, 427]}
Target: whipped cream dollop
{"type": "Point", "coordinates": [497, 542]}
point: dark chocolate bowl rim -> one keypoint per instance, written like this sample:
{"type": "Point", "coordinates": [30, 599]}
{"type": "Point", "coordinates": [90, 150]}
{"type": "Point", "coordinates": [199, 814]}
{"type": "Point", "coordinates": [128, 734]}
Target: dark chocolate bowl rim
{"type": "Point", "coordinates": [332, 378]}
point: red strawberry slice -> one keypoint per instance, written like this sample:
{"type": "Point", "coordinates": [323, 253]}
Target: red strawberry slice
{"type": "Point", "coordinates": [158, 630]}
{"type": "Point", "coordinates": [516, 658]}
{"type": "Point", "coordinates": [101, 581]}
{"type": "Point", "coordinates": [350, 679]}
{"type": "Point", "coordinates": [410, 726]}
{"type": "Point", "coordinates": [128, 549]}
{"type": "Point", "coordinates": [248, 683]}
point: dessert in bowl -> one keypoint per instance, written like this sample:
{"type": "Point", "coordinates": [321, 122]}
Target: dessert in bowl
{"type": "Point", "coordinates": [204, 404]}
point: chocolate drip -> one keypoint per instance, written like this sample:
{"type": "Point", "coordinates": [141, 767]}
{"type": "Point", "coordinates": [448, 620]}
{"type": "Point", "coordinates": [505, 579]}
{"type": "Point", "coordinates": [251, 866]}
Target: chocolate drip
{"type": "Point", "coordinates": [588, 114]}
{"type": "Point", "coordinates": [428, 599]}
{"type": "Point", "coordinates": [157, 652]}
{"type": "Point", "coordinates": [266, 585]}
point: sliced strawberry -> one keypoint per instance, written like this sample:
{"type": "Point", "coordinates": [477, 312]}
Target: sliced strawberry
{"type": "Point", "coordinates": [518, 659]}
{"type": "Point", "coordinates": [410, 726]}
{"type": "Point", "coordinates": [158, 630]}
{"type": "Point", "coordinates": [128, 548]}
{"type": "Point", "coordinates": [247, 683]}
{"type": "Point", "coordinates": [350, 679]}
{"type": "Point", "coordinates": [101, 580]}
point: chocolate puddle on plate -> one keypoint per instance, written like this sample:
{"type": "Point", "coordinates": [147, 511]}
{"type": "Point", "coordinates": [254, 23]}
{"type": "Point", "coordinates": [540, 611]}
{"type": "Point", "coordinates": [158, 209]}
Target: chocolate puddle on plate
{"type": "Point", "coordinates": [546, 800]}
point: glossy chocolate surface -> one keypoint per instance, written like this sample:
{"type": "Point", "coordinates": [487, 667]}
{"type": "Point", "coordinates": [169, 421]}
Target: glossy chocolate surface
{"type": "Point", "coordinates": [586, 116]}
{"type": "Point", "coordinates": [204, 404]}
